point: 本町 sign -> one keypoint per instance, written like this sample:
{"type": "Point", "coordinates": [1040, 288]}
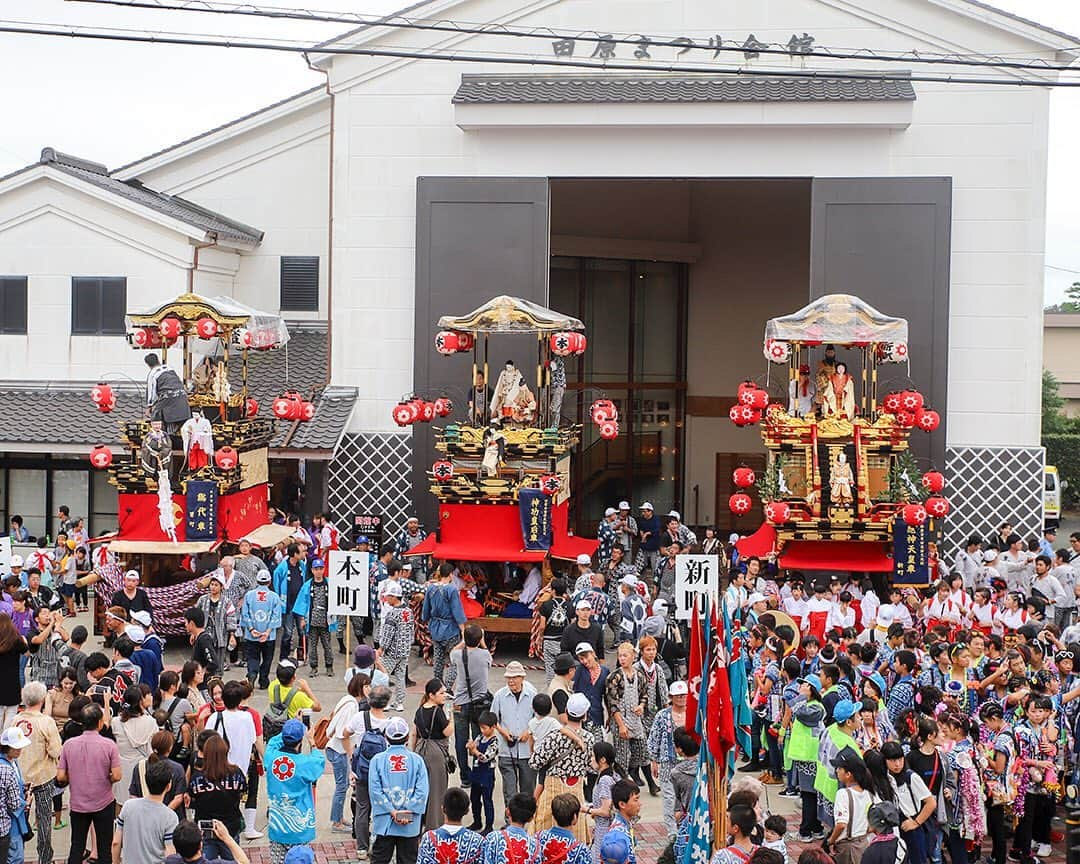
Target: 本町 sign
{"type": "Point", "coordinates": [695, 575]}
{"type": "Point", "coordinates": [350, 588]}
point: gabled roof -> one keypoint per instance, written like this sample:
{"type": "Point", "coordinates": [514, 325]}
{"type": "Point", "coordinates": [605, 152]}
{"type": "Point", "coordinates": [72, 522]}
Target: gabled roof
{"type": "Point", "coordinates": [172, 206]}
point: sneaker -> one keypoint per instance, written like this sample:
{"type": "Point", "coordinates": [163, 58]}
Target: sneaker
{"type": "Point", "coordinates": [770, 779]}
{"type": "Point", "coordinates": [800, 838]}
{"type": "Point", "coordinates": [790, 793]}
{"type": "Point", "coordinates": [362, 854]}
{"type": "Point", "coordinates": [749, 767]}
{"type": "Point", "coordinates": [341, 828]}
{"type": "Point", "coordinates": [314, 672]}
{"type": "Point", "coordinates": [818, 835]}
{"type": "Point", "coordinates": [1043, 850]}
{"type": "Point", "coordinates": [251, 834]}
{"type": "Point", "coordinates": [399, 707]}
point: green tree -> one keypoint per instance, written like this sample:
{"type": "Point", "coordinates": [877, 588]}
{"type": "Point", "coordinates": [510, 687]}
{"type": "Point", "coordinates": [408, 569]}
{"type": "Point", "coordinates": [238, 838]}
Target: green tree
{"type": "Point", "coordinates": [1071, 302]}
{"type": "Point", "coordinates": [1054, 419]}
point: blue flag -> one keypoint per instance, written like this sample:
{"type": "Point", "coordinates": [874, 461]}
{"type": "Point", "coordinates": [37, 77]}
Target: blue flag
{"type": "Point", "coordinates": [699, 815]}
{"type": "Point", "coordinates": [740, 696]}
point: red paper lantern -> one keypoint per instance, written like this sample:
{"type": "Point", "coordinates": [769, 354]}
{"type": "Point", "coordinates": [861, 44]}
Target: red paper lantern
{"type": "Point", "coordinates": [749, 415]}
{"type": "Point", "coordinates": [891, 403]}
{"type": "Point", "coordinates": [934, 481]}
{"type": "Point", "coordinates": [743, 477]}
{"type": "Point", "coordinates": [777, 512]}
{"type": "Point", "coordinates": [745, 387]}
{"type": "Point", "coordinates": [427, 411]}
{"type": "Point", "coordinates": [403, 413]}
{"type": "Point", "coordinates": [759, 399]}
{"type": "Point", "coordinates": [243, 337]}
{"type": "Point", "coordinates": [740, 503]}
{"type": "Point", "coordinates": [609, 429]}
{"type": "Point", "coordinates": [206, 327]}
{"type": "Point", "coordinates": [252, 406]}
{"type": "Point", "coordinates": [447, 342]}
{"type": "Point", "coordinates": [937, 506]}
{"type": "Point", "coordinates": [561, 344]}
{"type": "Point", "coordinates": [602, 410]}
{"type": "Point", "coordinates": [442, 470]}
{"type": "Point", "coordinates": [307, 411]}
{"type": "Point", "coordinates": [550, 484]}
{"type": "Point", "coordinates": [914, 514]}
{"type": "Point", "coordinates": [905, 419]}
{"type": "Point", "coordinates": [170, 328]}
{"type": "Point", "coordinates": [735, 413]}
{"type": "Point", "coordinates": [106, 407]}
{"type": "Point", "coordinates": [911, 400]}
{"type": "Point", "coordinates": [100, 393]}
{"type": "Point", "coordinates": [580, 343]}
{"type": "Point", "coordinates": [226, 458]}
{"type": "Point", "coordinates": [443, 407]}
{"type": "Point", "coordinates": [281, 407]}
{"type": "Point", "coordinates": [101, 456]}
{"type": "Point", "coordinates": [466, 341]}
{"type": "Point", "coordinates": [145, 337]}
{"type": "Point", "coordinates": [927, 420]}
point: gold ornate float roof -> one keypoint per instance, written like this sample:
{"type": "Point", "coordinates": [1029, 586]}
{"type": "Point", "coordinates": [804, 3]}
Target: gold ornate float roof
{"type": "Point", "coordinates": [504, 314]}
{"type": "Point", "coordinates": [838, 319]}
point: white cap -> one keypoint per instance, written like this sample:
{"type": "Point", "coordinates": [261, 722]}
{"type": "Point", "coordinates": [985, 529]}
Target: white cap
{"type": "Point", "coordinates": [674, 514]}
{"type": "Point", "coordinates": [678, 688]}
{"type": "Point", "coordinates": [584, 559]}
{"type": "Point", "coordinates": [756, 597]}
{"type": "Point", "coordinates": [629, 579]}
{"type": "Point", "coordinates": [132, 573]}
{"type": "Point", "coordinates": [396, 729]}
{"type": "Point", "coordinates": [659, 606]}
{"type": "Point", "coordinates": [989, 555]}
{"type": "Point", "coordinates": [15, 738]}
{"type": "Point", "coordinates": [135, 633]}
{"type": "Point", "coordinates": [733, 537]}
{"type": "Point", "coordinates": [577, 706]}
{"type": "Point", "coordinates": [141, 617]}
{"type": "Point", "coordinates": [286, 663]}
{"type": "Point", "coordinates": [624, 505]}
{"type": "Point", "coordinates": [16, 561]}
{"type": "Point", "coordinates": [583, 648]}
{"type": "Point", "coordinates": [646, 506]}
{"type": "Point", "coordinates": [412, 519]}
{"type": "Point", "coordinates": [391, 589]}
{"type": "Point", "coordinates": [583, 604]}
{"type": "Point", "coordinates": [219, 577]}
{"type": "Point", "coordinates": [407, 567]}
{"type": "Point", "coordinates": [611, 511]}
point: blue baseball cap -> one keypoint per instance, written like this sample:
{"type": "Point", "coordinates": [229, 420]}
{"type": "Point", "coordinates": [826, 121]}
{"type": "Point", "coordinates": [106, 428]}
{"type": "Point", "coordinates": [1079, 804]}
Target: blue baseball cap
{"type": "Point", "coordinates": [362, 539]}
{"type": "Point", "coordinates": [615, 849]}
{"type": "Point", "coordinates": [318, 562]}
{"type": "Point", "coordinates": [879, 682]}
{"type": "Point", "coordinates": [843, 711]}
{"type": "Point", "coordinates": [813, 680]}
{"type": "Point", "coordinates": [300, 855]}
{"type": "Point", "coordinates": [293, 731]}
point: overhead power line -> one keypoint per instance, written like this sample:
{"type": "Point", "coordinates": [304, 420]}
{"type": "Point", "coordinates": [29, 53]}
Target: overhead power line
{"type": "Point", "coordinates": [166, 38]}
{"type": "Point", "coordinates": [799, 47]}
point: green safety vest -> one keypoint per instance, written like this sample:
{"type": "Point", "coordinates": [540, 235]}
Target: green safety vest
{"type": "Point", "coordinates": [824, 782]}
{"type": "Point", "coordinates": [802, 744]}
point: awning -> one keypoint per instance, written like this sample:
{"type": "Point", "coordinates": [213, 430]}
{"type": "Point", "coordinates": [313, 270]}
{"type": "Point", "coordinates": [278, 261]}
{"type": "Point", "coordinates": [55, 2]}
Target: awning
{"type": "Point", "coordinates": [266, 536]}
{"type": "Point", "coordinates": [759, 544]}
{"type": "Point", "coordinates": [842, 555]}
{"type": "Point", "coordinates": [424, 547]}
{"type": "Point", "coordinates": [566, 546]}
{"type": "Point", "coordinates": [505, 314]}
{"type": "Point", "coordinates": [162, 547]}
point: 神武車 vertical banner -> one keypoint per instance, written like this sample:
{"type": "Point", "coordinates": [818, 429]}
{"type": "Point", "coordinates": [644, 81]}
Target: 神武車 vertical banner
{"type": "Point", "coordinates": [910, 554]}
{"type": "Point", "coordinates": [535, 508]}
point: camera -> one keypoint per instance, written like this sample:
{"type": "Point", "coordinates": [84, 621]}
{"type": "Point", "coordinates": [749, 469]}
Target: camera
{"type": "Point", "coordinates": [305, 717]}
{"type": "Point", "coordinates": [206, 826]}
{"type": "Point", "coordinates": [512, 741]}
{"type": "Point", "coordinates": [98, 693]}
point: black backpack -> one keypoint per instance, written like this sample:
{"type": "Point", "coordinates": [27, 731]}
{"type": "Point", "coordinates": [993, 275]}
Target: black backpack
{"type": "Point", "coordinates": [276, 715]}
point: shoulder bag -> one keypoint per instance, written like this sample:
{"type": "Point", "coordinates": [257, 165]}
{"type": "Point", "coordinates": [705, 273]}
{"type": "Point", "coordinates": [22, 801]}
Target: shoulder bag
{"type": "Point", "coordinates": [451, 762]}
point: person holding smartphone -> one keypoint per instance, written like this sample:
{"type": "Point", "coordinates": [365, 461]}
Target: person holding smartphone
{"type": "Point", "coordinates": [187, 840]}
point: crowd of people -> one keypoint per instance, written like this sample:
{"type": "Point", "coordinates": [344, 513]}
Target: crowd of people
{"type": "Point", "coordinates": [901, 721]}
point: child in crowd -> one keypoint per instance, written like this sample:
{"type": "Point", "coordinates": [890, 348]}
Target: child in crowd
{"type": "Point", "coordinates": [541, 725]}
{"type": "Point", "coordinates": [775, 829]}
{"type": "Point", "coordinates": [485, 750]}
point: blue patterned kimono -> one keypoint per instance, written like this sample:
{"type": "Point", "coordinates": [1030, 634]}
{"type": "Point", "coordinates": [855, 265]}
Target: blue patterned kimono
{"type": "Point", "coordinates": [511, 845]}
{"type": "Point", "coordinates": [619, 825]}
{"type": "Point", "coordinates": [290, 787]}
{"type": "Point", "coordinates": [560, 846]}
{"type": "Point", "coordinates": [397, 780]}
{"type": "Point", "coordinates": [443, 846]}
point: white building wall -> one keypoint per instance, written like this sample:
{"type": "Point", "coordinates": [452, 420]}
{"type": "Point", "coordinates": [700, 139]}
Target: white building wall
{"type": "Point", "coordinates": [272, 175]}
{"type": "Point", "coordinates": [394, 122]}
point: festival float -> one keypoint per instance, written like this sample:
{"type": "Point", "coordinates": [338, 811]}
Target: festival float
{"type": "Point", "coordinates": [841, 490]}
{"type": "Point", "coordinates": [502, 474]}
{"type": "Point", "coordinates": [193, 474]}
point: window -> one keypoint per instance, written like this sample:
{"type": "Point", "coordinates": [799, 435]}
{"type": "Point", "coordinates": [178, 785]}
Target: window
{"type": "Point", "coordinates": [12, 304]}
{"type": "Point", "coordinates": [97, 305]}
{"type": "Point", "coordinates": [299, 283]}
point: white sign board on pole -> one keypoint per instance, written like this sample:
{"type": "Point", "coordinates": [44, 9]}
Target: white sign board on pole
{"type": "Point", "coordinates": [349, 587]}
{"type": "Point", "coordinates": [695, 575]}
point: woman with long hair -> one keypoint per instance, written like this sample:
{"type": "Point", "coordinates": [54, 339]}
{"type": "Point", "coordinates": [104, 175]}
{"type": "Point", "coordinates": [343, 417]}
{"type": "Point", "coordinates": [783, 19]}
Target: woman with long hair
{"type": "Point", "coordinates": [925, 760]}
{"type": "Point", "coordinates": [339, 751]}
{"type": "Point", "coordinates": [430, 738]}
{"type": "Point", "coordinates": [191, 680]}
{"type": "Point", "coordinates": [608, 774]}
{"type": "Point", "coordinates": [161, 745]}
{"type": "Point", "coordinates": [12, 649]}
{"type": "Point", "coordinates": [176, 711]}
{"type": "Point", "coordinates": [132, 730]}
{"type": "Point", "coordinates": [58, 702]}
{"type": "Point", "coordinates": [850, 834]}
{"type": "Point", "coordinates": [967, 813]}
{"type": "Point", "coordinates": [216, 791]}
{"type": "Point", "coordinates": [215, 689]}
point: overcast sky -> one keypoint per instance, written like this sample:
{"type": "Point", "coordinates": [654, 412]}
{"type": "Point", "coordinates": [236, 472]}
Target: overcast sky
{"type": "Point", "coordinates": [114, 102]}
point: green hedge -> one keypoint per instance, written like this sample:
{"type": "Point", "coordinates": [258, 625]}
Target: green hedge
{"type": "Point", "coordinates": [1063, 451]}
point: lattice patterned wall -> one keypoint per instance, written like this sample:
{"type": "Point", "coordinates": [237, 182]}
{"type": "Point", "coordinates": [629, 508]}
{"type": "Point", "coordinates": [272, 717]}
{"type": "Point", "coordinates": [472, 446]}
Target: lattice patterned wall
{"type": "Point", "coordinates": [370, 474]}
{"type": "Point", "coordinates": [990, 485]}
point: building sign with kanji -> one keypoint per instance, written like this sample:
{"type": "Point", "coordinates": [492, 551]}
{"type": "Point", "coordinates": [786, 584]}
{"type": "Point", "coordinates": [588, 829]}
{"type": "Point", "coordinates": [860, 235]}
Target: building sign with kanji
{"type": "Point", "coordinates": [201, 520]}
{"type": "Point", "coordinates": [368, 525]}
{"type": "Point", "coordinates": [535, 508]}
{"type": "Point", "coordinates": [909, 554]}
{"type": "Point", "coordinates": [595, 46]}
{"type": "Point", "coordinates": [695, 575]}
{"type": "Point", "coordinates": [350, 589]}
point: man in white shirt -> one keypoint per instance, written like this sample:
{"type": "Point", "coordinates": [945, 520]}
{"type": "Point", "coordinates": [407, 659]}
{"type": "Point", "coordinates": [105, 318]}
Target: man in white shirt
{"type": "Point", "coordinates": [968, 563]}
{"type": "Point", "coordinates": [1065, 573]}
{"type": "Point", "coordinates": [1017, 565]}
{"type": "Point", "coordinates": [1047, 585]}
{"type": "Point", "coordinates": [235, 725]}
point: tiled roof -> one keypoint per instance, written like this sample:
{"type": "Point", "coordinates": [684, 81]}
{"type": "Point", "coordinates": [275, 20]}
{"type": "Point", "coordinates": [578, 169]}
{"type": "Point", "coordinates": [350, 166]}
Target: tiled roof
{"type": "Point", "coordinates": [168, 205]}
{"type": "Point", "coordinates": [553, 89]}
{"type": "Point", "coordinates": [59, 415]}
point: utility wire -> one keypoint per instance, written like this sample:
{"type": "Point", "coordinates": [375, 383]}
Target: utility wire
{"type": "Point", "coordinates": [166, 38]}
{"type": "Point", "coordinates": [795, 49]}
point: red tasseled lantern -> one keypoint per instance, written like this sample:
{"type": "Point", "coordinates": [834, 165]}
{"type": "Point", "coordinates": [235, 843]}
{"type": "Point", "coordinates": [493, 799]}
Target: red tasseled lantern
{"type": "Point", "coordinates": [145, 337]}
{"type": "Point", "coordinates": [911, 400]}
{"type": "Point", "coordinates": [609, 429]}
{"type": "Point", "coordinates": [101, 456]}
{"type": "Point", "coordinates": [403, 413]}
{"type": "Point", "coordinates": [744, 387]}
{"type": "Point", "coordinates": [427, 412]}
{"type": "Point", "coordinates": [758, 398]}
{"type": "Point", "coordinates": [934, 481]}
{"type": "Point", "coordinates": [561, 344]}
{"type": "Point", "coordinates": [927, 420]}
{"type": "Point", "coordinates": [100, 393]}
{"type": "Point", "coordinates": [443, 407]}
{"type": "Point", "coordinates": [252, 406]}
{"type": "Point", "coordinates": [206, 327]}
{"type": "Point", "coordinates": [603, 409]}
{"type": "Point", "coordinates": [743, 477]}
{"type": "Point", "coordinates": [740, 503]}
{"type": "Point", "coordinates": [170, 328]}
{"type": "Point", "coordinates": [735, 413]}
{"type": "Point", "coordinates": [749, 415]}
{"type": "Point", "coordinates": [447, 342]}
{"type": "Point", "coordinates": [891, 403]}
{"type": "Point", "coordinates": [466, 341]}
{"type": "Point", "coordinates": [550, 484]}
{"type": "Point", "coordinates": [578, 343]}
{"type": "Point", "coordinates": [108, 405]}
{"type": "Point", "coordinates": [777, 512]}
{"type": "Point", "coordinates": [905, 419]}
{"type": "Point", "coordinates": [281, 407]}
{"type": "Point", "coordinates": [442, 470]}
{"type": "Point", "coordinates": [226, 458]}
{"type": "Point", "coordinates": [937, 506]}
{"type": "Point", "coordinates": [914, 514]}
{"type": "Point", "coordinates": [307, 411]}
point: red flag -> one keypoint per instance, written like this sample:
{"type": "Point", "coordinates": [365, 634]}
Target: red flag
{"type": "Point", "coordinates": [719, 708]}
{"type": "Point", "coordinates": [694, 670]}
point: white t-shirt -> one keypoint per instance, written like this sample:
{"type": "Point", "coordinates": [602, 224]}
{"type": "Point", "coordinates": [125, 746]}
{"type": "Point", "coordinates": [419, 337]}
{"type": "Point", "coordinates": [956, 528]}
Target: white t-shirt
{"type": "Point", "coordinates": [356, 727]}
{"type": "Point", "coordinates": [855, 819]}
{"type": "Point", "coordinates": [346, 708]}
{"type": "Point", "coordinates": [238, 732]}
{"type": "Point", "coordinates": [910, 798]}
